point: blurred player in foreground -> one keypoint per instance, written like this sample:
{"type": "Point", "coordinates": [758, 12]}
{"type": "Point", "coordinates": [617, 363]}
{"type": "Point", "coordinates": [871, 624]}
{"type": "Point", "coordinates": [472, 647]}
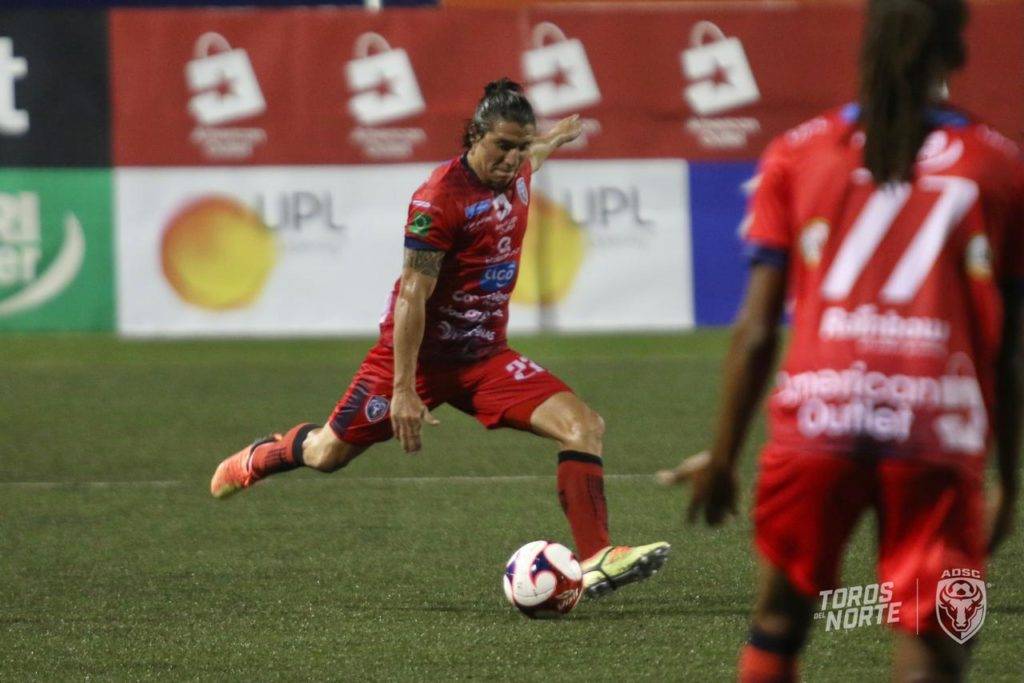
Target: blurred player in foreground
{"type": "Point", "coordinates": [443, 340]}
{"type": "Point", "coordinates": [896, 226]}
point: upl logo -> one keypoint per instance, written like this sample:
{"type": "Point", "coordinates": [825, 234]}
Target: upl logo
{"type": "Point", "coordinates": [24, 283]}
{"type": "Point", "coordinates": [13, 121]}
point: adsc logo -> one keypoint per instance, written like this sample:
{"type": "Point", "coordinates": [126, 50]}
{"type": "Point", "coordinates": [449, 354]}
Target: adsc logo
{"type": "Point", "coordinates": [22, 253]}
{"type": "Point", "coordinates": [960, 603]}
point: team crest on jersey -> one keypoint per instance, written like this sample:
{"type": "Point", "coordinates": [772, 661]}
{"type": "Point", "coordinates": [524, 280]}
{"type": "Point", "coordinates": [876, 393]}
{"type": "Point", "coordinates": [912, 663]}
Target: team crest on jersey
{"type": "Point", "coordinates": [938, 152]}
{"type": "Point", "coordinates": [812, 241]}
{"type": "Point", "coordinates": [376, 408]}
{"type": "Point", "coordinates": [979, 258]}
{"type": "Point", "coordinates": [522, 191]}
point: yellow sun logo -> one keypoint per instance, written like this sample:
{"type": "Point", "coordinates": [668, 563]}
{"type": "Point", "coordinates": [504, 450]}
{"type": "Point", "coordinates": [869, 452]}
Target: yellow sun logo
{"type": "Point", "coordinates": [217, 253]}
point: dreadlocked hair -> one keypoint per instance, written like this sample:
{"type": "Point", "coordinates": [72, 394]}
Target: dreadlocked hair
{"type": "Point", "coordinates": [908, 46]}
{"type": "Point", "coordinates": [503, 100]}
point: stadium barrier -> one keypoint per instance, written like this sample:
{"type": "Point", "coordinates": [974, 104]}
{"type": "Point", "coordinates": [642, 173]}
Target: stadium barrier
{"type": "Point", "coordinates": [199, 172]}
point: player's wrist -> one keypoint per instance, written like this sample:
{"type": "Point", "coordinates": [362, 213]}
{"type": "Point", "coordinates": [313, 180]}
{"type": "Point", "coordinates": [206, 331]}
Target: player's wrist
{"type": "Point", "coordinates": [721, 463]}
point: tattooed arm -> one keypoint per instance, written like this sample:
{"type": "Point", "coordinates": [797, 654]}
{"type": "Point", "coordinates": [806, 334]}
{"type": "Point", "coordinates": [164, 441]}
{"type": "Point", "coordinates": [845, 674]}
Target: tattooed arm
{"type": "Point", "coordinates": [419, 277]}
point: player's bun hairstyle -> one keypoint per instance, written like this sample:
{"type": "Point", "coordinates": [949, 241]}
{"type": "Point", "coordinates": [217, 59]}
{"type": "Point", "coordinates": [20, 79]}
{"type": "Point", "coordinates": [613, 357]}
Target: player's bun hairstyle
{"type": "Point", "coordinates": [503, 100]}
{"type": "Point", "coordinates": [909, 45]}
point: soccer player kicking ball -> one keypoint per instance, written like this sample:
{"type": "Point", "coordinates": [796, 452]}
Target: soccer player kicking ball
{"type": "Point", "coordinates": [897, 224]}
{"type": "Point", "coordinates": [442, 340]}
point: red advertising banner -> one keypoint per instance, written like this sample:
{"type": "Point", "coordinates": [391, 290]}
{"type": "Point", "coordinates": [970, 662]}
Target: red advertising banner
{"type": "Point", "coordinates": [314, 86]}
{"type": "Point", "coordinates": [304, 86]}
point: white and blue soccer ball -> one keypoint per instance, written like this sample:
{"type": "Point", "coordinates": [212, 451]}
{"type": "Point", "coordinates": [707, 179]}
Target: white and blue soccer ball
{"type": "Point", "coordinates": [543, 580]}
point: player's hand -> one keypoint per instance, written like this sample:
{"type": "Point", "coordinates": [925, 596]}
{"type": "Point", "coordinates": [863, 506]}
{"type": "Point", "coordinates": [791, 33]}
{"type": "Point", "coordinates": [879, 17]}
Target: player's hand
{"type": "Point", "coordinates": [566, 130]}
{"type": "Point", "coordinates": [408, 413]}
{"type": "Point", "coordinates": [714, 487]}
{"type": "Point", "coordinates": [1002, 511]}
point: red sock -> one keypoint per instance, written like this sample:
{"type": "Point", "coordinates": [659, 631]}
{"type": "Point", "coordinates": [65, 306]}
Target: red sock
{"type": "Point", "coordinates": [581, 493]}
{"type": "Point", "coordinates": [280, 456]}
{"type": "Point", "coordinates": [761, 666]}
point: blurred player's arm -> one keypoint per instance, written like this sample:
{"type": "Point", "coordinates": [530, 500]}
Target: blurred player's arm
{"type": "Point", "coordinates": [748, 364]}
{"type": "Point", "coordinates": [419, 277]}
{"type": "Point", "coordinates": [566, 130]}
{"type": "Point", "coordinates": [1009, 402]}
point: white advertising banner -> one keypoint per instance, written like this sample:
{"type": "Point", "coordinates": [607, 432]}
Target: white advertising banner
{"type": "Point", "coordinates": [267, 251]}
{"type": "Point", "coordinates": [301, 251]}
{"type": "Point", "coordinates": [612, 242]}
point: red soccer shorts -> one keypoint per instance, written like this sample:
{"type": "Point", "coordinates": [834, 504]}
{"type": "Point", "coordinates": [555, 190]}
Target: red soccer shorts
{"type": "Point", "coordinates": [500, 391]}
{"type": "Point", "coordinates": [930, 519]}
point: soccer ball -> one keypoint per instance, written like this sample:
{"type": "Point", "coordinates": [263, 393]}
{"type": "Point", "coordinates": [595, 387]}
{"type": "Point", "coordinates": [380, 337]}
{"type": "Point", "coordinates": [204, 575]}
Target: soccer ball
{"type": "Point", "coordinates": [543, 580]}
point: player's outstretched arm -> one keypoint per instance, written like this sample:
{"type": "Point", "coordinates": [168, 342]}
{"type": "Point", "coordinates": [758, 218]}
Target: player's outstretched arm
{"type": "Point", "coordinates": [748, 364]}
{"type": "Point", "coordinates": [419, 277]}
{"type": "Point", "coordinates": [1008, 405]}
{"type": "Point", "coordinates": [566, 130]}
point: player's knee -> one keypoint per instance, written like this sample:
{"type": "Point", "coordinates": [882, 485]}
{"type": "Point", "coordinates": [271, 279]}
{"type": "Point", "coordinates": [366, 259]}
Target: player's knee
{"type": "Point", "coordinates": [586, 431]}
{"type": "Point", "coordinates": [324, 452]}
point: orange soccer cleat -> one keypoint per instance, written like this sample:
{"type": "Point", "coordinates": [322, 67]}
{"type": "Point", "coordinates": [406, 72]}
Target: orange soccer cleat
{"type": "Point", "coordinates": [235, 472]}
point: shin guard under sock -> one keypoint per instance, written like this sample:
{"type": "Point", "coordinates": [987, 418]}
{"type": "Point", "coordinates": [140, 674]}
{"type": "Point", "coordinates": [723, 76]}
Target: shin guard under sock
{"type": "Point", "coordinates": [581, 494]}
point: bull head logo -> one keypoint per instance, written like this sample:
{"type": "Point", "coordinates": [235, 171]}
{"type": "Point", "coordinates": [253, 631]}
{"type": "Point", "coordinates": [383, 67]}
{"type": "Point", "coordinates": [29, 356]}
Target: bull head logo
{"type": "Point", "coordinates": [960, 607]}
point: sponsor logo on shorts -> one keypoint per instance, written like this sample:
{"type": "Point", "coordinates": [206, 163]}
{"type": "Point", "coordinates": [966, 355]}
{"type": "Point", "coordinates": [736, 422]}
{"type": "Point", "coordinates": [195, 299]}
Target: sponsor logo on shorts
{"type": "Point", "coordinates": [960, 603]}
{"type": "Point", "coordinates": [481, 207]}
{"type": "Point", "coordinates": [376, 408]}
{"type": "Point", "coordinates": [498, 277]}
{"type": "Point", "coordinates": [852, 607]}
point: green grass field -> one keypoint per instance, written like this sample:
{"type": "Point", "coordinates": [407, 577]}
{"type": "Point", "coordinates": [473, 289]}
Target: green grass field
{"type": "Point", "coordinates": [116, 564]}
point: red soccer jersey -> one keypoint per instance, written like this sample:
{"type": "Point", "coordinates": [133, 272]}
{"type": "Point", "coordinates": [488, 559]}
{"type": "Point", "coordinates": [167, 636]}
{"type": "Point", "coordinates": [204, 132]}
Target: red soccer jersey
{"type": "Point", "coordinates": [481, 231]}
{"type": "Point", "coordinates": [897, 310]}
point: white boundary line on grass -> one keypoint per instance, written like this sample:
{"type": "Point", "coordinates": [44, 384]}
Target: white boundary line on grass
{"type": "Point", "coordinates": [171, 483]}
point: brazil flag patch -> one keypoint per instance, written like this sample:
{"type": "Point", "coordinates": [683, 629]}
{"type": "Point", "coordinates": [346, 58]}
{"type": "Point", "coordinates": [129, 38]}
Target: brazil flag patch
{"type": "Point", "coordinates": [420, 224]}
